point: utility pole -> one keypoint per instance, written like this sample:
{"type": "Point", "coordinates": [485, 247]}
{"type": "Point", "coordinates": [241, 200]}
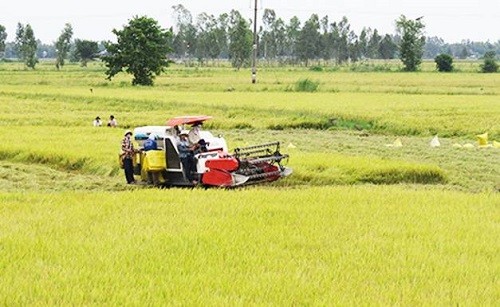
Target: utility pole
{"type": "Point", "coordinates": [254, 46]}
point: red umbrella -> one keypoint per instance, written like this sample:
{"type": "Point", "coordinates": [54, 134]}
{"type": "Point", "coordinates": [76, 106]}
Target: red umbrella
{"type": "Point", "coordinates": [182, 120]}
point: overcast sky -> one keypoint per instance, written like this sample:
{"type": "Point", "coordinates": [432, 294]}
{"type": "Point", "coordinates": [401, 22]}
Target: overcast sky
{"type": "Point", "coordinates": [452, 20]}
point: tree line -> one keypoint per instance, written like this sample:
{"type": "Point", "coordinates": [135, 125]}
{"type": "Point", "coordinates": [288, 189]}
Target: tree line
{"type": "Point", "coordinates": [228, 36]}
{"type": "Point", "coordinates": [207, 37]}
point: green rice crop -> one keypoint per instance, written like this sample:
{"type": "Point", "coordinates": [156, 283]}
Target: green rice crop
{"type": "Point", "coordinates": [417, 104]}
{"type": "Point", "coordinates": [357, 223]}
{"type": "Point", "coordinates": [319, 246]}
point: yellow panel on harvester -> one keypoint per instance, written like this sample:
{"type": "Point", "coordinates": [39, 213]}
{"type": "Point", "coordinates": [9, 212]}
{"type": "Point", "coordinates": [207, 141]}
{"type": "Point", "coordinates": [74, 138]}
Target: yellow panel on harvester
{"type": "Point", "coordinates": [154, 160]}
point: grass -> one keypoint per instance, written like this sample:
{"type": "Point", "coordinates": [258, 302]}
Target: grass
{"type": "Point", "coordinates": [392, 103]}
{"type": "Point", "coordinates": [306, 85]}
{"type": "Point", "coordinates": [342, 245]}
{"type": "Point", "coordinates": [357, 223]}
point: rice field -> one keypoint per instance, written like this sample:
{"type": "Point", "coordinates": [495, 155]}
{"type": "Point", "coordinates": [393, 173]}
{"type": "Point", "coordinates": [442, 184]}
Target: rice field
{"type": "Point", "coordinates": [359, 222]}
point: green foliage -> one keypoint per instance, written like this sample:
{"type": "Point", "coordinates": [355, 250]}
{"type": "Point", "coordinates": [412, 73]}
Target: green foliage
{"type": "Point", "coordinates": [364, 66]}
{"type": "Point", "coordinates": [3, 37]}
{"type": "Point", "coordinates": [18, 42]}
{"type": "Point", "coordinates": [387, 48]}
{"type": "Point", "coordinates": [141, 50]}
{"type": "Point", "coordinates": [411, 48]}
{"type": "Point", "coordinates": [444, 62]}
{"type": "Point", "coordinates": [309, 40]}
{"type": "Point", "coordinates": [63, 45]}
{"type": "Point", "coordinates": [306, 85]}
{"type": "Point", "coordinates": [373, 45]}
{"type": "Point", "coordinates": [273, 37]}
{"type": "Point", "coordinates": [26, 45]}
{"type": "Point", "coordinates": [316, 68]}
{"type": "Point", "coordinates": [184, 43]}
{"type": "Point", "coordinates": [241, 38]}
{"type": "Point", "coordinates": [490, 65]}
{"type": "Point", "coordinates": [85, 51]}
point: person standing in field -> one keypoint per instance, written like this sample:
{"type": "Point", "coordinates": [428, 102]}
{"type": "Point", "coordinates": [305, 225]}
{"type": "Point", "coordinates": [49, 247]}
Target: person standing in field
{"type": "Point", "coordinates": [112, 121]}
{"type": "Point", "coordinates": [128, 152]}
{"type": "Point", "coordinates": [97, 122]}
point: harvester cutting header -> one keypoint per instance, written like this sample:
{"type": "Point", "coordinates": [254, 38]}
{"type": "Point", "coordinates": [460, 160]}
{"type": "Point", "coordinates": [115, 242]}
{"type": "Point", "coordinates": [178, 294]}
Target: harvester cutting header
{"type": "Point", "coordinates": [190, 157]}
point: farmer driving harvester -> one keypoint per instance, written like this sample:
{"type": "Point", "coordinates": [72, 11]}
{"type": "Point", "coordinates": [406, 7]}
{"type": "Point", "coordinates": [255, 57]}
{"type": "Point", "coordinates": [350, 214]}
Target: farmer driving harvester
{"type": "Point", "coordinates": [186, 155]}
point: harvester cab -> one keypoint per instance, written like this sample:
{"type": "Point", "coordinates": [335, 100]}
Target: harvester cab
{"type": "Point", "coordinates": [214, 166]}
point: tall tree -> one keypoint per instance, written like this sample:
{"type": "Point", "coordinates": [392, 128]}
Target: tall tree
{"type": "Point", "coordinates": [309, 40]}
{"type": "Point", "coordinates": [326, 40]}
{"type": "Point", "coordinates": [343, 29]}
{"type": "Point", "coordinates": [30, 46]}
{"type": "Point", "coordinates": [222, 35]}
{"type": "Point", "coordinates": [279, 30]}
{"type": "Point", "coordinates": [141, 50]}
{"type": "Point", "coordinates": [268, 41]}
{"type": "Point", "coordinates": [3, 37]}
{"type": "Point", "coordinates": [85, 51]}
{"type": "Point", "coordinates": [412, 44]}
{"type": "Point", "coordinates": [19, 41]}
{"type": "Point", "coordinates": [63, 45]}
{"type": "Point", "coordinates": [240, 40]}
{"type": "Point", "coordinates": [354, 46]}
{"type": "Point", "coordinates": [373, 47]}
{"type": "Point", "coordinates": [204, 26]}
{"type": "Point", "coordinates": [363, 42]}
{"type": "Point", "coordinates": [26, 45]}
{"type": "Point", "coordinates": [292, 36]}
{"type": "Point", "coordinates": [185, 40]}
{"type": "Point", "coordinates": [387, 48]}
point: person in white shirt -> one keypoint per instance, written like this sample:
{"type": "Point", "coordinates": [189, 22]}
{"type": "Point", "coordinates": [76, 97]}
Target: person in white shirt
{"type": "Point", "coordinates": [194, 134]}
{"type": "Point", "coordinates": [97, 122]}
{"type": "Point", "coordinates": [112, 121]}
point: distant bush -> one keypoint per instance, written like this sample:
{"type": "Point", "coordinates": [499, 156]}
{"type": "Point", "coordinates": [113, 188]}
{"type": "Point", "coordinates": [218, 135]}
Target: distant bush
{"type": "Point", "coordinates": [444, 62]}
{"type": "Point", "coordinates": [368, 67]}
{"type": "Point", "coordinates": [490, 64]}
{"type": "Point", "coordinates": [316, 68]}
{"type": "Point", "coordinates": [306, 85]}
{"type": "Point", "coordinates": [324, 124]}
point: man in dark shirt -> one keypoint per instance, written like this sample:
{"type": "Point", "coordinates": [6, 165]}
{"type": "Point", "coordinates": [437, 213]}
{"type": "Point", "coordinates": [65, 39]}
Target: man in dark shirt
{"type": "Point", "coordinates": [150, 143]}
{"type": "Point", "coordinates": [187, 157]}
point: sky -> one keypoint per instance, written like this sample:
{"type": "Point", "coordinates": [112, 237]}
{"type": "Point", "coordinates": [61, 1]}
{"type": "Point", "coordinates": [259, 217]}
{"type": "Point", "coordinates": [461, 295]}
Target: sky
{"type": "Point", "coordinates": [451, 20]}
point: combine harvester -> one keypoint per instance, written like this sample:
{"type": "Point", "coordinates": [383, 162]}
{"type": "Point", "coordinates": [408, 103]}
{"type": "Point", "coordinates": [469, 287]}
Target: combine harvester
{"type": "Point", "coordinates": [215, 167]}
